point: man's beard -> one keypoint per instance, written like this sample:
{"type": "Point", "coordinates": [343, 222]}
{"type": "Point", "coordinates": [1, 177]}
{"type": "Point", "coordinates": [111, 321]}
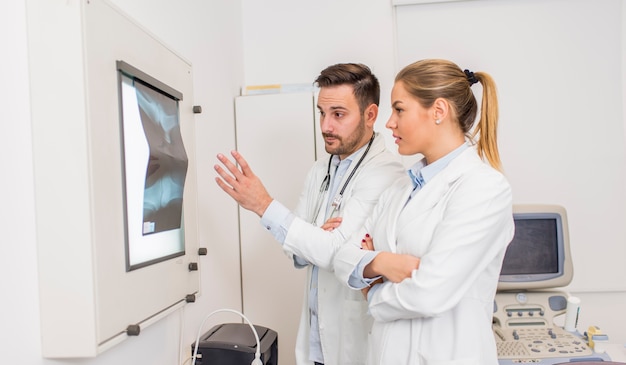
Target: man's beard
{"type": "Point", "coordinates": [351, 143]}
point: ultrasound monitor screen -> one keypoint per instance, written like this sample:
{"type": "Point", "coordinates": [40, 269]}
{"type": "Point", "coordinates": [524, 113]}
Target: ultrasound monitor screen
{"type": "Point", "coordinates": [538, 257]}
{"type": "Point", "coordinates": [534, 249]}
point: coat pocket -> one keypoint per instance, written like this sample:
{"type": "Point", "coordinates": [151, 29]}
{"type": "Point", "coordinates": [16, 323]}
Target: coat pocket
{"type": "Point", "coordinates": [353, 339]}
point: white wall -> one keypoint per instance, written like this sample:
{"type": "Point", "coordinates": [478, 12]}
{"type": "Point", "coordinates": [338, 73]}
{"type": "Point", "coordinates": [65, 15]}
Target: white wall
{"type": "Point", "coordinates": [281, 41]}
{"type": "Point", "coordinates": [209, 35]}
{"type": "Point", "coordinates": [19, 307]}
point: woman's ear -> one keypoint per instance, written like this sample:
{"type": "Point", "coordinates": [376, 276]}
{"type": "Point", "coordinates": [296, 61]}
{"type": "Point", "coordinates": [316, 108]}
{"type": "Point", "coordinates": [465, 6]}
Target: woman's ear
{"type": "Point", "coordinates": [441, 108]}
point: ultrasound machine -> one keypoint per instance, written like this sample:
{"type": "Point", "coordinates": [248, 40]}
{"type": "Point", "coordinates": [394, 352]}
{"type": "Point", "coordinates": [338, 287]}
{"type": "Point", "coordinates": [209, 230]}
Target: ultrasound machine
{"type": "Point", "coordinates": [537, 261]}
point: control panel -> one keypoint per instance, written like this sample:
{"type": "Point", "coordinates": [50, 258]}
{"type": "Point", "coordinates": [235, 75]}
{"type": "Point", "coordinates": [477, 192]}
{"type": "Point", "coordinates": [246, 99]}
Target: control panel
{"type": "Point", "coordinates": [523, 326]}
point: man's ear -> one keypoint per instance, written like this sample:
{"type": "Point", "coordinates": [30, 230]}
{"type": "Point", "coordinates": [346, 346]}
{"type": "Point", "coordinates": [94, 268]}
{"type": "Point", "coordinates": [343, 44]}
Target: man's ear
{"type": "Point", "coordinates": [370, 115]}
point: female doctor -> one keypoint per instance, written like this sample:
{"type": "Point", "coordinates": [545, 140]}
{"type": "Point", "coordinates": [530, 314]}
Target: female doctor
{"type": "Point", "coordinates": [456, 217]}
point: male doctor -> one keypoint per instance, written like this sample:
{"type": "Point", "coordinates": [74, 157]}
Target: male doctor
{"type": "Point", "coordinates": [339, 193]}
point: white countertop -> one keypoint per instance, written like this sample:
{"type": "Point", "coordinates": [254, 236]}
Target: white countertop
{"type": "Point", "coordinates": [616, 351]}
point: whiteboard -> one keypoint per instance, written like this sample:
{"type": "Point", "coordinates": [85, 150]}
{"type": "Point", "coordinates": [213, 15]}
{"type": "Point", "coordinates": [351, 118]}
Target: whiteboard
{"type": "Point", "coordinates": [557, 64]}
{"type": "Point", "coordinates": [88, 298]}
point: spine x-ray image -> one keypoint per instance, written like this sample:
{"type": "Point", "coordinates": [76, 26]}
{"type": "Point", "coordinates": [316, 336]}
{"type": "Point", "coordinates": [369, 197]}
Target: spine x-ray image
{"type": "Point", "coordinates": [155, 168]}
{"type": "Point", "coordinates": [167, 165]}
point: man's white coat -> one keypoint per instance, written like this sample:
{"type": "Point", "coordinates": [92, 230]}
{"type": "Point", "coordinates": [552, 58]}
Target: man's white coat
{"type": "Point", "coordinates": [343, 319]}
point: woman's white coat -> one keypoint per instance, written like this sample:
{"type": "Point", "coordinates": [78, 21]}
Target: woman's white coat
{"type": "Point", "coordinates": [459, 224]}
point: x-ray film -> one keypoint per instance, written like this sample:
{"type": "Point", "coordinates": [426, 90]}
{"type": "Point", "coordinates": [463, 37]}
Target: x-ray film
{"type": "Point", "coordinates": [155, 166]}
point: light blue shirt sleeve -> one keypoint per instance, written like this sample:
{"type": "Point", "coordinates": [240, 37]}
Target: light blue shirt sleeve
{"type": "Point", "coordinates": [277, 219]}
{"type": "Point", "coordinates": [356, 279]}
{"type": "Point", "coordinates": [371, 292]}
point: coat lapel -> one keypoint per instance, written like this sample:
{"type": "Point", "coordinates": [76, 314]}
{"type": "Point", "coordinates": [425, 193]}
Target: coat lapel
{"type": "Point", "coordinates": [434, 191]}
{"type": "Point", "coordinates": [393, 219]}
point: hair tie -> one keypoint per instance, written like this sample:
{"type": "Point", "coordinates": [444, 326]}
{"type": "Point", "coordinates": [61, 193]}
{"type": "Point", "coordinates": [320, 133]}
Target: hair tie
{"type": "Point", "coordinates": [470, 77]}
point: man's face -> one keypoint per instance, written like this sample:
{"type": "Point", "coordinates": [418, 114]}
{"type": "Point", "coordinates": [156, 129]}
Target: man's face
{"type": "Point", "coordinates": [341, 121]}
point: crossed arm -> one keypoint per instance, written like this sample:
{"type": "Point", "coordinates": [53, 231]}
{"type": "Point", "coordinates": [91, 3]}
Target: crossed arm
{"type": "Point", "coordinates": [392, 266]}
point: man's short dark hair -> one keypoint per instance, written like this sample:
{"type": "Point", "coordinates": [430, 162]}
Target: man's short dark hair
{"type": "Point", "coordinates": [365, 85]}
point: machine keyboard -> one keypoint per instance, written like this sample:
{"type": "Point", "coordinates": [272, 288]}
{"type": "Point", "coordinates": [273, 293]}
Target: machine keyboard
{"type": "Point", "coordinates": [539, 343]}
{"type": "Point", "coordinates": [511, 349]}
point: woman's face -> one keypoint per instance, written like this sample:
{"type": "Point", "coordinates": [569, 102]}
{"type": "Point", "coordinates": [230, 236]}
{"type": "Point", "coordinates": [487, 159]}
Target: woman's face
{"type": "Point", "coordinates": [411, 124]}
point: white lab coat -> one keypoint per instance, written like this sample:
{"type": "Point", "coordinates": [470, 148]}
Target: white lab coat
{"type": "Point", "coordinates": [459, 224]}
{"type": "Point", "coordinates": [342, 312]}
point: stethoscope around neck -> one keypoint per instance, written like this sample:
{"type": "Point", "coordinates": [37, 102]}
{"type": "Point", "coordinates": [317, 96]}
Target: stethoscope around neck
{"type": "Point", "coordinates": [326, 183]}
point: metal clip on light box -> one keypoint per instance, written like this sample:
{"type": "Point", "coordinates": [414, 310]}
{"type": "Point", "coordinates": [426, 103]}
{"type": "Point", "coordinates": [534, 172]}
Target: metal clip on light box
{"type": "Point", "coordinates": [257, 354]}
